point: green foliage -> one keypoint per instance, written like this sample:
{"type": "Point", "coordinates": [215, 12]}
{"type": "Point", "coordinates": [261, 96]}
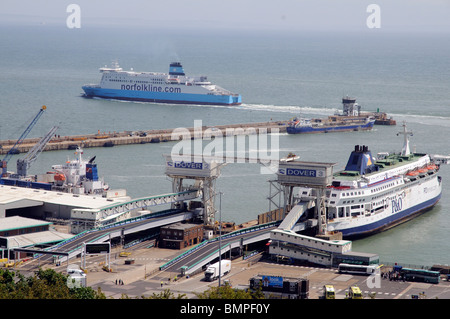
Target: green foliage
{"type": "Point", "coordinates": [227, 292]}
{"type": "Point", "coordinates": [45, 284]}
{"type": "Point", "coordinates": [166, 294]}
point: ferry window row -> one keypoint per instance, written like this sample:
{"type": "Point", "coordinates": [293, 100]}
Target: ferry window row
{"type": "Point", "coordinates": [131, 81]}
{"type": "Point", "coordinates": [154, 81]}
{"type": "Point", "coordinates": [115, 80]}
{"type": "Point", "coordinates": [384, 187]}
{"type": "Point", "coordinates": [390, 192]}
{"type": "Point", "coordinates": [352, 201]}
{"type": "Point", "coordinates": [353, 193]}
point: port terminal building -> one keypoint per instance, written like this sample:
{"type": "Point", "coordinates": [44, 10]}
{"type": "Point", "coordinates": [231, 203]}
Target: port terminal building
{"type": "Point", "coordinates": [27, 215]}
{"type": "Point", "coordinates": [48, 205]}
{"type": "Point", "coordinates": [328, 253]}
{"type": "Point", "coordinates": [17, 231]}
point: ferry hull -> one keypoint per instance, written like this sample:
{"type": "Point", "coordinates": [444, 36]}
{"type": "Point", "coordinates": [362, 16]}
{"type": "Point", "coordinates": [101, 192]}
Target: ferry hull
{"type": "Point", "coordinates": [162, 97]}
{"type": "Point", "coordinates": [339, 128]}
{"type": "Point", "coordinates": [373, 194]}
{"type": "Point", "coordinates": [389, 222]}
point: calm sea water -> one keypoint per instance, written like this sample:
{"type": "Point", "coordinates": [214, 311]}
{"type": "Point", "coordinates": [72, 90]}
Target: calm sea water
{"type": "Point", "coordinates": [278, 75]}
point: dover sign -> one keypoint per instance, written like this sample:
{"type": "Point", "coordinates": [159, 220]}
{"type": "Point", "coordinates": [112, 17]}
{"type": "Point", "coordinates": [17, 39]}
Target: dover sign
{"type": "Point", "coordinates": [305, 173]}
{"type": "Point", "coordinates": [190, 167]}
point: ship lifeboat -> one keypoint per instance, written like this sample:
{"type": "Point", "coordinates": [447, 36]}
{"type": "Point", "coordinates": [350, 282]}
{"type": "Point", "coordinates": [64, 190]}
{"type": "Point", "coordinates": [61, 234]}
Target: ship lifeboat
{"type": "Point", "coordinates": [432, 167]}
{"type": "Point", "coordinates": [59, 177]}
{"type": "Point", "coordinates": [422, 170]}
{"type": "Point", "coordinates": [412, 173]}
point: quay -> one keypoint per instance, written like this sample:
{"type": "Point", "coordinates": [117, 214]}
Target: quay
{"type": "Point", "coordinates": [144, 278]}
{"type": "Point", "coordinates": [108, 139]}
{"type": "Point", "coordinates": [258, 248]}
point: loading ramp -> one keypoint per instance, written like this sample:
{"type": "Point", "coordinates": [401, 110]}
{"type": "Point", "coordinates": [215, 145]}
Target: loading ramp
{"type": "Point", "coordinates": [295, 214]}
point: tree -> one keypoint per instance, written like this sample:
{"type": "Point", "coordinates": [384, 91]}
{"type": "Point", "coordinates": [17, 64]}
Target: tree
{"type": "Point", "coordinates": [166, 294]}
{"type": "Point", "coordinates": [227, 292]}
{"type": "Point", "coordinates": [45, 284]}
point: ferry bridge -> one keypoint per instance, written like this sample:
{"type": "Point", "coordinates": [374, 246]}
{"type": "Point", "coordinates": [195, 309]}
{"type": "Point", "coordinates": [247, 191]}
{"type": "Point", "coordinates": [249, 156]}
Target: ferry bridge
{"type": "Point", "coordinates": [73, 246]}
{"type": "Point", "coordinates": [194, 259]}
{"type": "Point", "coordinates": [87, 218]}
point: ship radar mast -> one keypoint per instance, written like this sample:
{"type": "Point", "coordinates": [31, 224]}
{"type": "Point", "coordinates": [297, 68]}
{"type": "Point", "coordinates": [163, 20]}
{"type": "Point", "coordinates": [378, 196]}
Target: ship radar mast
{"type": "Point", "coordinates": [350, 107]}
{"type": "Point", "coordinates": [114, 67]}
{"type": "Point", "coordinates": [406, 134]}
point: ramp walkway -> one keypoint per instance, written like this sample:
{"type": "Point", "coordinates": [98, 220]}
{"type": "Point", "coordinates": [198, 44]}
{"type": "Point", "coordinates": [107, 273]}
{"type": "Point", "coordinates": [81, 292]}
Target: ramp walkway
{"type": "Point", "coordinates": [295, 213]}
{"type": "Point", "coordinates": [73, 246]}
{"type": "Point", "coordinates": [195, 258]}
{"type": "Point", "coordinates": [110, 214]}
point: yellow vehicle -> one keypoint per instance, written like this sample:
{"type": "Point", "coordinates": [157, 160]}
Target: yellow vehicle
{"type": "Point", "coordinates": [328, 292]}
{"type": "Point", "coordinates": [354, 293]}
{"type": "Point", "coordinates": [124, 254]}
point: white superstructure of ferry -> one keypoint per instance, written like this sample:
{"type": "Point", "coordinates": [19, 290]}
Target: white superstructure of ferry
{"type": "Point", "coordinates": [173, 87]}
{"type": "Point", "coordinates": [374, 194]}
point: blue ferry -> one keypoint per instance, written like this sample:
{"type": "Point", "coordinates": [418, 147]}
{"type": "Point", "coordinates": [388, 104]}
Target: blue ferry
{"type": "Point", "coordinates": [351, 119]}
{"type": "Point", "coordinates": [297, 126]}
{"type": "Point", "coordinates": [173, 87]}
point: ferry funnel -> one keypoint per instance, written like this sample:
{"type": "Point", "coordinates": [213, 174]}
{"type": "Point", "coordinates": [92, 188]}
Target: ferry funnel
{"type": "Point", "coordinates": [176, 69]}
{"type": "Point", "coordinates": [361, 161]}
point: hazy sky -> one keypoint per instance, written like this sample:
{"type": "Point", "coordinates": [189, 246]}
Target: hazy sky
{"type": "Point", "coordinates": [396, 15]}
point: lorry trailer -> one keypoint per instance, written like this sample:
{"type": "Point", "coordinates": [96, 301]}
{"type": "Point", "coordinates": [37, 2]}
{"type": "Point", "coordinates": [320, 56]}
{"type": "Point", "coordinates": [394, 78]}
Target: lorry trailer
{"type": "Point", "coordinates": [220, 268]}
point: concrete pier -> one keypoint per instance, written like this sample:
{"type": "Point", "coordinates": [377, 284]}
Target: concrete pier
{"type": "Point", "coordinates": [105, 139]}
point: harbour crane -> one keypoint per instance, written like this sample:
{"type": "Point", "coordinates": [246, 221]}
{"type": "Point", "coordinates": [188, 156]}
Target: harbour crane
{"type": "Point", "coordinates": [23, 164]}
{"type": "Point", "coordinates": [13, 150]}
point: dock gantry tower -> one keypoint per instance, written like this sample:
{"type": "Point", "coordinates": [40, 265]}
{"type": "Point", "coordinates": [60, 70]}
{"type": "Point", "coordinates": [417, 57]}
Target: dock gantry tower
{"type": "Point", "coordinates": [302, 185]}
{"type": "Point", "coordinates": [202, 172]}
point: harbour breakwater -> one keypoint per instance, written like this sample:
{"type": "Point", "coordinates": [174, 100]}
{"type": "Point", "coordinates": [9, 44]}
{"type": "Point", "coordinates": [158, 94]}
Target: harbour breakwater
{"type": "Point", "coordinates": [109, 139]}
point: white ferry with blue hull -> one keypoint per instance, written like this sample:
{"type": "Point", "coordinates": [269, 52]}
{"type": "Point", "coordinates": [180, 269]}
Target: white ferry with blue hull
{"type": "Point", "coordinates": [298, 126]}
{"type": "Point", "coordinates": [351, 119]}
{"type": "Point", "coordinates": [173, 87]}
{"type": "Point", "coordinates": [371, 195]}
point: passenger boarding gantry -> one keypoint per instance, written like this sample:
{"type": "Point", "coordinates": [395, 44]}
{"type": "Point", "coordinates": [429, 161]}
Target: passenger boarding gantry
{"type": "Point", "coordinates": [312, 179]}
{"type": "Point", "coordinates": [204, 171]}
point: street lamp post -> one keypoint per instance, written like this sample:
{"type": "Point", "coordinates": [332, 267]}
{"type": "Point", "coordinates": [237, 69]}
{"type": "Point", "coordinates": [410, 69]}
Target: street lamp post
{"type": "Point", "coordinates": [220, 237]}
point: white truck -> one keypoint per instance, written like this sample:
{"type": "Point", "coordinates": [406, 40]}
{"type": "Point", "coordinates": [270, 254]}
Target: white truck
{"type": "Point", "coordinates": [212, 272]}
{"type": "Point", "coordinates": [76, 278]}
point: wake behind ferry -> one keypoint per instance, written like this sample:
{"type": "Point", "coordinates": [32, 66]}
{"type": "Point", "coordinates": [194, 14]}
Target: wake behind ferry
{"type": "Point", "coordinates": [172, 87]}
{"type": "Point", "coordinates": [371, 195]}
